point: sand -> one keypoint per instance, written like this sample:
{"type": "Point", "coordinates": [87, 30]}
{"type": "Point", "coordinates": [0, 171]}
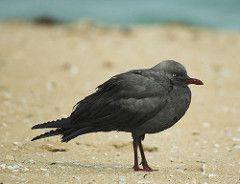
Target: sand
{"type": "Point", "coordinates": [45, 70]}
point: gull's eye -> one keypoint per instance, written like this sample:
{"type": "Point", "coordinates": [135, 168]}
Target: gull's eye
{"type": "Point", "coordinates": [174, 75]}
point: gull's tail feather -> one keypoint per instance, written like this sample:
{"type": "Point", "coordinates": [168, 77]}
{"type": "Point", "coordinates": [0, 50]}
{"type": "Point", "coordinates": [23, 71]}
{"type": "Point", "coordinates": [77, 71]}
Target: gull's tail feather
{"type": "Point", "coordinates": [68, 135]}
{"type": "Point", "coordinates": [48, 134]}
{"type": "Point", "coordinates": [63, 127]}
{"type": "Point", "coordinates": [60, 123]}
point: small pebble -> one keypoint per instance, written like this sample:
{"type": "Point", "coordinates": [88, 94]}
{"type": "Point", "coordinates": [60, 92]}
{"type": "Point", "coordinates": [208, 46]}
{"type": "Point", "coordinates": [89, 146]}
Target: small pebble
{"type": "Point", "coordinates": [43, 169]}
{"type": "Point", "coordinates": [31, 161]}
{"type": "Point", "coordinates": [237, 146]}
{"type": "Point", "coordinates": [195, 133]}
{"type": "Point", "coordinates": [46, 174]}
{"type": "Point", "coordinates": [3, 166]}
{"type": "Point", "coordinates": [121, 180]}
{"type": "Point", "coordinates": [211, 175]}
{"type": "Point", "coordinates": [203, 169]}
{"type": "Point", "coordinates": [13, 167]}
{"type": "Point", "coordinates": [18, 143]}
{"type": "Point", "coordinates": [76, 177]}
{"type": "Point", "coordinates": [237, 139]}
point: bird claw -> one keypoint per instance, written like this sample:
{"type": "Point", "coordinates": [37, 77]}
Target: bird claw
{"type": "Point", "coordinates": [137, 168]}
{"type": "Point", "coordinates": [145, 168]}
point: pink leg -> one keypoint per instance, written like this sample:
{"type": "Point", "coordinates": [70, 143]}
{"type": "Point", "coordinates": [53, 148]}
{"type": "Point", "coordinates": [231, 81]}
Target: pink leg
{"type": "Point", "coordinates": [144, 163]}
{"type": "Point", "coordinates": [136, 165]}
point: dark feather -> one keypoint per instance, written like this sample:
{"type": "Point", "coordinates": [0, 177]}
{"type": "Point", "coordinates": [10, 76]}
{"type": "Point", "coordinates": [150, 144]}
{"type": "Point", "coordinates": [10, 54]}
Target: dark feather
{"type": "Point", "coordinates": [48, 134]}
{"type": "Point", "coordinates": [76, 133]}
{"type": "Point", "coordinates": [60, 123]}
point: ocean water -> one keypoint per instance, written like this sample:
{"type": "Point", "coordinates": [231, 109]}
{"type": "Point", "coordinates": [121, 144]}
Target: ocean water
{"type": "Point", "coordinates": [222, 14]}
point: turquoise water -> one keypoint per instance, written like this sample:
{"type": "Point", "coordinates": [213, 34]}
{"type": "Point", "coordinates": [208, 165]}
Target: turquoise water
{"type": "Point", "coordinates": [223, 14]}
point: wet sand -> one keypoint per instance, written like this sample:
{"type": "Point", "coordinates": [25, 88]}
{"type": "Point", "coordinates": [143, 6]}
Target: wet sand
{"type": "Point", "coordinates": [45, 70]}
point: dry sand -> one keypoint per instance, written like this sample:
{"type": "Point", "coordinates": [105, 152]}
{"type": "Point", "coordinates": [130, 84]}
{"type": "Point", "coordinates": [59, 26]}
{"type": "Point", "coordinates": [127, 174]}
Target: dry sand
{"type": "Point", "coordinates": [45, 70]}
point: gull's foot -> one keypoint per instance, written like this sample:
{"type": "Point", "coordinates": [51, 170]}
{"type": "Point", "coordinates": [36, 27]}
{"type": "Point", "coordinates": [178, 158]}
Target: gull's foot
{"type": "Point", "coordinates": [137, 168]}
{"type": "Point", "coordinates": [147, 168]}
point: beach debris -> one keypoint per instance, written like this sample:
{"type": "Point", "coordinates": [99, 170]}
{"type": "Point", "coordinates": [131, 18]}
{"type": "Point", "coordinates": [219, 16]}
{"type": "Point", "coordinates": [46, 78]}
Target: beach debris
{"type": "Point", "coordinates": [14, 167]}
{"type": "Point", "coordinates": [30, 161]}
{"type": "Point", "coordinates": [19, 144]}
{"type": "Point", "coordinates": [145, 175]}
{"type": "Point", "coordinates": [237, 139]}
{"type": "Point", "coordinates": [85, 144]}
{"type": "Point", "coordinates": [212, 175]}
{"type": "Point", "coordinates": [150, 149]}
{"type": "Point", "coordinates": [46, 174]}
{"type": "Point", "coordinates": [51, 148]}
{"type": "Point", "coordinates": [76, 177]}
{"type": "Point", "coordinates": [44, 169]}
{"type": "Point", "coordinates": [199, 161]}
{"type": "Point", "coordinates": [195, 133]}
{"type": "Point", "coordinates": [3, 166]}
{"type": "Point", "coordinates": [121, 180]}
{"type": "Point", "coordinates": [203, 169]}
{"type": "Point", "coordinates": [181, 170]}
{"type": "Point", "coordinates": [236, 146]}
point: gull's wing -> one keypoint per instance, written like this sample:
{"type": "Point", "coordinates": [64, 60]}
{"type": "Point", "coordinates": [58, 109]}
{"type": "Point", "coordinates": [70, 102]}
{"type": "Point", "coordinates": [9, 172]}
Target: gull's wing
{"type": "Point", "coordinates": [124, 102]}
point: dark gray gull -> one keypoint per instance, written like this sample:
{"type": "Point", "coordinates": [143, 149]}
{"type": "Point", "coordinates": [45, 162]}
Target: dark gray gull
{"type": "Point", "coordinates": [141, 102]}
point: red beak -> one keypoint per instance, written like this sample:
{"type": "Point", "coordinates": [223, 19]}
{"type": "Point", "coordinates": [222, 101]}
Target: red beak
{"type": "Point", "coordinates": [194, 81]}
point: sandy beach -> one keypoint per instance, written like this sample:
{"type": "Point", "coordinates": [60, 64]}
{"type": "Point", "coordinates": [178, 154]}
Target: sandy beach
{"type": "Point", "coordinates": [46, 70]}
